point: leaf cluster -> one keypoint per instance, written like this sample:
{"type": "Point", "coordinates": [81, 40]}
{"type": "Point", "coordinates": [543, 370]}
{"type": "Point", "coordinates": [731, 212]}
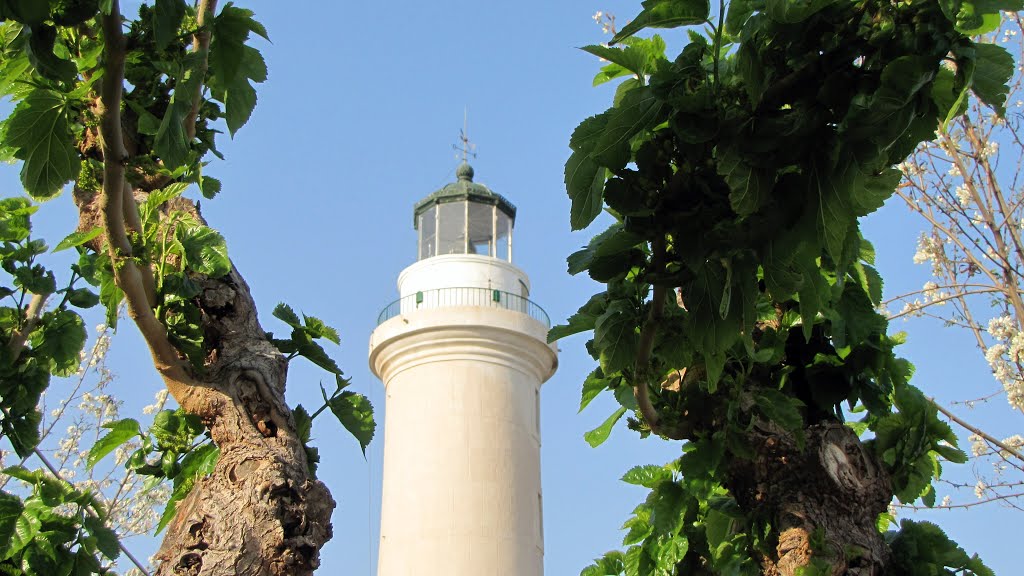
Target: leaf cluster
{"type": "Point", "coordinates": [353, 410]}
{"type": "Point", "coordinates": [55, 529]}
{"type": "Point", "coordinates": [739, 291]}
{"type": "Point", "coordinates": [176, 448]}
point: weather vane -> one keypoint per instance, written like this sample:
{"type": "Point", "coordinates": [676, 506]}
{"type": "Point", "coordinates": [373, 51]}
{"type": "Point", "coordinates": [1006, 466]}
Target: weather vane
{"type": "Point", "coordinates": [467, 148]}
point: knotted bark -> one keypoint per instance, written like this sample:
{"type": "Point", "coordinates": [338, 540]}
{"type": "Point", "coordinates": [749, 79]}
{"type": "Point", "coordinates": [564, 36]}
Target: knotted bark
{"type": "Point", "coordinates": [822, 499]}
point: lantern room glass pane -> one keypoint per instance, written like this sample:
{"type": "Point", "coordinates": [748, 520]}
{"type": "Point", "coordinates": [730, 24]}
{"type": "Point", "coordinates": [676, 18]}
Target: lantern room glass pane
{"type": "Point", "coordinates": [502, 235]}
{"type": "Point", "coordinates": [451, 224]}
{"type": "Point", "coordinates": [428, 233]}
{"type": "Point", "coordinates": [481, 229]}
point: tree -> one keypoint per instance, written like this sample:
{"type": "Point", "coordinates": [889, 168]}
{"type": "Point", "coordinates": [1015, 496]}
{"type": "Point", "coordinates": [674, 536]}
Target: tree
{"type": "Point", "coordinates": [964, 187]}
{"type": "Point", "coordinates": [739, 314]}
{"type": "Point", "coordinates": [129, 111]}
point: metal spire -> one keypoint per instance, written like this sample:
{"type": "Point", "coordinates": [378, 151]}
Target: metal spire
{"type": "Point", "coordinates": [465, 146]}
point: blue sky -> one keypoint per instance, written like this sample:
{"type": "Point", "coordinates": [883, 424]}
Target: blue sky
{"type": "Point", "coordinates": [355, 124]}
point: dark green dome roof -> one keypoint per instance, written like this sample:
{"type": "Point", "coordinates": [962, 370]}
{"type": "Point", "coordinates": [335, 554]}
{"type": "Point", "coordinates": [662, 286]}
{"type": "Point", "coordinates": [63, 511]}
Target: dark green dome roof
{"type": "Point", "coordinates": [461, 190]}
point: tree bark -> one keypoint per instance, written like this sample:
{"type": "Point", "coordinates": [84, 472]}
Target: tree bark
{"type": "Point", "coordinates": [260, 512]}
{"type": "Point", "coordinates": [822, 499]}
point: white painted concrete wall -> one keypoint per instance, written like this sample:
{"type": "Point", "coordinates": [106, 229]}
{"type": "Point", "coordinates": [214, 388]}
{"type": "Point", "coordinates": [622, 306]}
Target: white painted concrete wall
{"type": "Point", "coordinates": [462, 492]}
{"type": "Point", "coordinates": [462, 271]}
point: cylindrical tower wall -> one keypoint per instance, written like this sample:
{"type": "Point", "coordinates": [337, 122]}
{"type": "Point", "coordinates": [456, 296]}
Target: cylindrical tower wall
{"type": "Point", "coordinates": [463, 271]}
{"type": "Point", "coordinates": [461, 494]}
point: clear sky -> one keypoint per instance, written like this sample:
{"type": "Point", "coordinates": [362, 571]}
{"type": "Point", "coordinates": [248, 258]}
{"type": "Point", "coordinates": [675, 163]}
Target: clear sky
{"type": "Point", "coordinates": [355, 124]}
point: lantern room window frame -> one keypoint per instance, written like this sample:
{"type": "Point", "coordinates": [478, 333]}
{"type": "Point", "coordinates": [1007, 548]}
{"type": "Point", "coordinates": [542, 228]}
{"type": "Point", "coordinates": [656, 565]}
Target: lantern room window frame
{"type": "Point", "coordinates": [434, 230]}
{"type": "Point", "coordinates": [464, 218]}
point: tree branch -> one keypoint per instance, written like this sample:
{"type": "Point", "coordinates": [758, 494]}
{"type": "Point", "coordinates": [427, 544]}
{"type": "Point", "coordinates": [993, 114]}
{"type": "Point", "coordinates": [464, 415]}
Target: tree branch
{"type": "Point", "coordinates": [201, 46]}
{"type": "Point", "coordinates": [642, 369]}
{"type": "Point", "coordinates": [126, 270]}
{"type": "Point", "coordinates": [32, 314]}
{"type": "Point", "coordinates": [988, 437]}
{"type": "Point", "coordinates": [134, 224]}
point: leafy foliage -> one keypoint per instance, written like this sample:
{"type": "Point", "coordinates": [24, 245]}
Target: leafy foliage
{"type": "Point", "coordinates": [56, 528]}
{"type": "Point", "coordinates": [739, 291]}
{"type": "Point", "coordinates": [353, 410]}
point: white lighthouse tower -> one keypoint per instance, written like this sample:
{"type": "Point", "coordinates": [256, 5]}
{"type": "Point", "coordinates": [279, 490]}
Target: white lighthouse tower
{"type": "Point", "coordinates": [462, 354]}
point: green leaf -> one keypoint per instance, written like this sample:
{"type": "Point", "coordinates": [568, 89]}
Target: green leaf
{"type": "Point", "coordinates": [171, 143]}
{"type": "Point", "coordinates": [749, 187]}
{"type": "Point", "coordinates": [42, 40]}
{"type": "Point", "coordinates": [26, 527]}
{"type": "Point", "coordinates": [993, 68]}
{"type": "Point", "coordinates": [718, 527]}
{"type": "Point", "coordinates": [167, 17]}
{"type": "Point", "coordinates": [615, 336]}
{"type": "Point", "coordinates": [317, 329]}
{"type": "Point", "coordinates": [648, 476]}
{"type": "Point", "coordinates": [15, 225]}
{"type": "Point", "coordinates": [857, 316]}
{"type": "Point", "coordinates": [780, 408]}
{"type": "Point", "coordinates": [666, 14]}
{"type": "Point", "coordinates": [238, 106]}
{"type": "Point", "coordinates": [10, 511]}
{"type": "Point", "coordinates": [598, 435]}
{"type": "Point", "coordinates": [210, 186]}
{"type": "Point", "coordinates": [303, 423]}
{"type": "Point", "coordinates": [584, 181]}
{"type": "Point", "coordinates": [355, 413]}
{"type": "Point", "coordinates": [738, 13]}
{"type": "Point", "coordinates": [667, 509]}
{"type": "Point", "coordinates": [870, 281]}
{"type": "Point", "coordinates": [111, 297]}
{"type": "Point", "coordinates": [120, 432]}
{"type": "Point", "coordinates": [60, 337]}
{"type": "Point", "coordinates": [206, 252]}
{"type": "Point", "coordinates": [870, 191]}
{"type": "Point", "coordinates": [794, 11]}
{"type": "Point", "coordinates": [588, 132]}
{"type": "Point", "coordinates": [592, 386]}
{"type": "Point", "coordinates": [583, 320]}
{"type": "Point", "coordinates": [106, 539]}
{"type": "Point", "coordinates": [158, 198]}
{"type": "Point", "coordinates": [24, 434]}
{"type": "Point", "coordinates": [285, 313]}
{"type": "Point", "coordinates": [199, 461]}
{"type": "Point", "coordinates": [234, 64]}
{"type": "Point", "coordinates": [315, 353]}
{"type": "Point", "coordinates": [640, 57]}
{"type": "Point", "coordinates": [82, 298]}
{"type": "Point", "coordinates": [835, 218]}
{"type": "Point", "coordinates": [639, 110]}
{"type": "Point", "coordinates": [39, 130]}
{"type": "Point", "coordinates": [673, 551]}
{"type": "Point", "coordinates": [951, 454]}
{"type": "Point", "coordinates": [78, 238]}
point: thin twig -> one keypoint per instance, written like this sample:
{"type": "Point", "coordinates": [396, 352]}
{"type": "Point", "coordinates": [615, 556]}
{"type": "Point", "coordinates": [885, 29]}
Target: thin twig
{"type": "Point", "coordinates": [988, 437]}
{"type": "Point", "coordinates": [56, 474]}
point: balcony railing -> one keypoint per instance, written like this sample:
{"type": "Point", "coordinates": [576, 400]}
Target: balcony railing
{"type": "Point", "coordinates": [448, 297]}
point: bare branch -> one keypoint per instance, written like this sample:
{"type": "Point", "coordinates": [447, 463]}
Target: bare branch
{"type": "Point", "coordinates": [126, 270]}
{"type": "Point", "coordinates": [988, 437]}
{"type": "Point", "coordinates": [32, 314]}
{"type": "Point", "coordinates": [201, 46]}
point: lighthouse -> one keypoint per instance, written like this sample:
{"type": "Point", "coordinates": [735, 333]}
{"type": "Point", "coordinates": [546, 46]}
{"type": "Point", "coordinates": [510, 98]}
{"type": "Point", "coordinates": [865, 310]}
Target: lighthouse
{"type": "Point", "coordinates": [462, 354]}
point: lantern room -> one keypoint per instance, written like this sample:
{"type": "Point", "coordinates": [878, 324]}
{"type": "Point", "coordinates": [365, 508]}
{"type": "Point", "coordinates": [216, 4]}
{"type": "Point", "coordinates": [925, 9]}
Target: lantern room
{"type": "Point", "coordinates": [465, 217]}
